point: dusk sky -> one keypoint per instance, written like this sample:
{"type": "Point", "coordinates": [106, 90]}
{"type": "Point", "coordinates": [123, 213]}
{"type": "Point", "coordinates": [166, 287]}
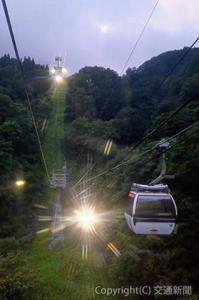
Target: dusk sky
{"type": "Point", "coordinates": [98, 32]}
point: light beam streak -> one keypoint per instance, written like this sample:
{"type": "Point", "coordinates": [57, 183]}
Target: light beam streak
{"type": "Point", "coordinates": [43, 230]}
{"type": "Point", "coordinates": [108, 147]}
{"type": "Point", "coordinates": [40, 206]}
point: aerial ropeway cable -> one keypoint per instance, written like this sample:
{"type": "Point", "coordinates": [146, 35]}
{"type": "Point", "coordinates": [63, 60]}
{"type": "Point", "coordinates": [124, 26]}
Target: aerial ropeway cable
{"type": "Point", "coordinates": [139, 38]}
{"type": "Point", "coordinates": [140, 155]}
{"type": "Point", "coordinates": [25, 87]}
{"type": "Point", "coordinates": [164, 122]}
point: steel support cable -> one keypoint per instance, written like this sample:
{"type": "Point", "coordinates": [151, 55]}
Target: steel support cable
{"type": "Point", "coordinates": [118, 166]}
{"type": "Point", "coordinates": [139, 38]}
{"type": "Point", "coordinates": [182, 131]}
{"type": "Point", "coordinates": [126, 62]}
{"type": "Point", "coordinates": [178, 62]}
{"type": "Point", "coordinates": [25, 86]}
{"type": "Point", "coordinates": [179, 108]}
{"type": "Point", "coordinates": [156, 129]}
{"type": "Point", "coordinates": [175, 143]}
{"type": "Point", "coordinates": [163, 81]}
{"type": "Point", "coordinates": [173, 113]}
{"type": "Point", "coordinates": [166, 140]}
{"type": "Point", "coordinates": [144, 153]}
{"type": "Point", "coordinates": [169, 117]}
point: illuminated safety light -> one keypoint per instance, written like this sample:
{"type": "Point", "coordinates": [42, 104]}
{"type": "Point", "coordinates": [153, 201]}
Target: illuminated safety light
{"type": "Point", "coordinates": [132, 195]}
{"type": "Point", "coordinates": [64, 71]}
{"type": "Point", "coordinates": [20, 183]}
{"type": "Point", "coordinates": [58, 79]}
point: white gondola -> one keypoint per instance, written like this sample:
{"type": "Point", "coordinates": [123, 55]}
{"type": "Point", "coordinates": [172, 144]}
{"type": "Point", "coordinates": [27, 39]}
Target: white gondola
{"type": "Point", "coordinates": [153, 211]}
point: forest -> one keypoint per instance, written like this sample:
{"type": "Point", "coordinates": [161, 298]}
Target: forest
{"type": "Point", "coordinates": [19, 159]}
{"type": "Point", "coordinates": [100, 105]}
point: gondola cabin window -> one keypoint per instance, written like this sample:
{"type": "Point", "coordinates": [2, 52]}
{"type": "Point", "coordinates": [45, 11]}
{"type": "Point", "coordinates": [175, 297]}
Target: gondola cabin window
{"type": "Point", "coordinates": [155, 206]}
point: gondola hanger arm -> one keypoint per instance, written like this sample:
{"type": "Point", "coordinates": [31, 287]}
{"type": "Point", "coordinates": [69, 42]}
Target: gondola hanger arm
{"type": "Point", "coordinates": [162, 147]}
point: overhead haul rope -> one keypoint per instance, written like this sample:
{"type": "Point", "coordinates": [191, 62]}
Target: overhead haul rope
{"type": "Point", "coordinates": [25, 86]}
{"type": "Point", "coordinates": [125, 64]}
{"type": "Point", "coordinates": [165, 121]}
{"type": "Point", "coordinates": [171, 71]}
{"type": "Point", "coordinates": [178, 109]}
{"type": "Point", "coordinates": [139, 38]}
{"type": "Point", "coordinates": [123, 162]}
{"type": "Point", "coordinates": [144, 153]}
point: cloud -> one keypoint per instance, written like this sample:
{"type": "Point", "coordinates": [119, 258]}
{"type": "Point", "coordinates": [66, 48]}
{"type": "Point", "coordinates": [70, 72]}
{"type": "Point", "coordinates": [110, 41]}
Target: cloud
{"type": "Point", "coordinates": [176, 15]}
{"type": "Point", "coordinates": [72, 29]}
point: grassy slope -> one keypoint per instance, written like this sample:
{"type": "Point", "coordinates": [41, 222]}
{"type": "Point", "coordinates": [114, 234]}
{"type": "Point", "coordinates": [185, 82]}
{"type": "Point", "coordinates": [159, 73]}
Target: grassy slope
{"type": "Point", "coordinates": [62, 272]}
{"type": "Point", "coordinates": [53, 142]}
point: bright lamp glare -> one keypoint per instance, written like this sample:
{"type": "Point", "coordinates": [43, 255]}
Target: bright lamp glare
{"type": "Point", "coordinates": [64, 71]}
{"type": "Point", "coordinates": [20, 183]}
{"type": "Point", "coordinates": [86, 218]}
{"type": "Point", "coordinates": [58, 78]}
{"type": "Point", "coordinates": [53, 71]}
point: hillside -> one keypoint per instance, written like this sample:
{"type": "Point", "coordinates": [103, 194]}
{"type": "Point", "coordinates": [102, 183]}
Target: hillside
{"type": "Point", "coordinates": [99, 106]}
{"type": "Point", "coordinates": [134, 105]}
{"type": "Point", "coordinates": [20, 161]}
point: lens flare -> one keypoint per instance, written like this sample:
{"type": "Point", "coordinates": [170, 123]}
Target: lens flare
{"type": "Point", "coordinates": [86, 218]}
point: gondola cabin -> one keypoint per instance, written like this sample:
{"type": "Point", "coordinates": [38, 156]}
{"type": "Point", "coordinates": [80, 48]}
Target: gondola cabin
{"type": "Point", "coordinates": [153, 210]}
